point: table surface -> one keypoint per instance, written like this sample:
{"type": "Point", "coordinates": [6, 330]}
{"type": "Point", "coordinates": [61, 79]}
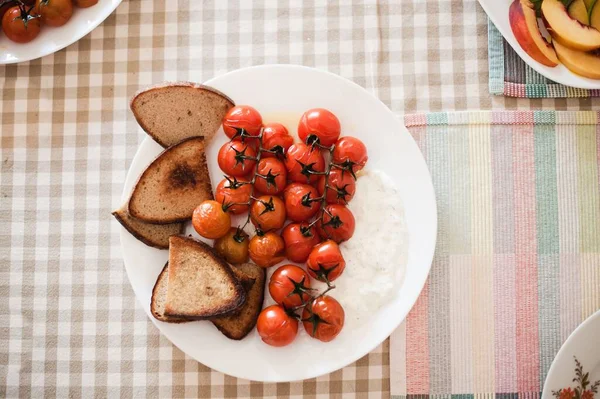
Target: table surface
{"type": "Point", "coordinates": [71, 325]}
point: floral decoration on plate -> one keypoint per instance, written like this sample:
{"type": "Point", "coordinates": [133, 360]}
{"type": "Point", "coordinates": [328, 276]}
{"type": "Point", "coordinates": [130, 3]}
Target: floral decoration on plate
{"type": "Point", "coordinates": [584, 389]}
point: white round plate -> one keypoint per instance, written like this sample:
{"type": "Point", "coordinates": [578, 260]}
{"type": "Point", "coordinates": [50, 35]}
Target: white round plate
{"type": "Point", "coordinates": [282, 93]}
{"type": "Point", "coordinates": [50, 39]}
{"type": "Point", "coordinates": [583, 345]}
{"type": "Point", "coordinates": [498, 12]}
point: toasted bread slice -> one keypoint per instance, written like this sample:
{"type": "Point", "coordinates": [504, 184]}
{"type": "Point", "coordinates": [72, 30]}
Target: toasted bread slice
{"type": "Point", "coordinates": [159, 298]}
{"type": "Point", "coordinates": [239, 325]}
{"type": "Point", "coordinates": [159, 294]}
{"type": "Point", "coordinates": [171, 112]}
{"type": "Point", "coordinates": [154, 235]}
{"type": "Point", "coordinates": [246, 280]}
{"type": "Point", "coordinates": [201, 284]}
{"type": "Point", "coordinates": [173, 185]}
{"type": "Point", "coordinates": [247, 283]}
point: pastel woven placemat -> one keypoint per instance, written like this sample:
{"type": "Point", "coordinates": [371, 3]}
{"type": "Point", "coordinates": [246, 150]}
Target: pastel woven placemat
{"type": "Point", "coordinates": [517, 264]}
{"type": "Point", "coordinates": [511, 76]}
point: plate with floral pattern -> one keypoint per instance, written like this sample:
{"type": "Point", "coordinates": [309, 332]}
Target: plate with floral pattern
{"type": "Point", "coordinates": [575, 372]}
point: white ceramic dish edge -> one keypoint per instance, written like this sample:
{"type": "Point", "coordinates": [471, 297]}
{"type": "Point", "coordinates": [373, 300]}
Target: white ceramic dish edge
{"type": "Point", "coordinates": [51, 40]}
{"type": "Point", "coordinates": [561, 371]}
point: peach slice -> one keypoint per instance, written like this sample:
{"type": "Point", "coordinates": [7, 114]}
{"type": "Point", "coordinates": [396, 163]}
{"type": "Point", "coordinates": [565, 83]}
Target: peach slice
{"type": "Point", "coordinates": [578, 11]}
{"type": "Point", "coordinates": [589, 4]}
{"type": "Point", "coordinates": [595, 16]}
{"type": "Point", "coordinates": [579, 62]}
{"type": "Point", "coordinates": [524, 25]}
{"type": "Point", "coordinates": [568, 31]}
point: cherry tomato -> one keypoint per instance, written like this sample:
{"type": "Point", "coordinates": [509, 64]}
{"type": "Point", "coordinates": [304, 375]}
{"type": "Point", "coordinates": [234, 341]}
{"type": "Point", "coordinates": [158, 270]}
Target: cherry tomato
{"type": "Point", "coordinates": [271, 176]}
{"type": "Point", "coordinates": [242, 117]}
{"type": "Point", "coordinates": [236, 158]}
{"type": "Point", "coordinates": [351, 153]}
{"type": "Point", "coordinates": [299, 240]}
{"type": "Point", "coordinates": [5, 5]}
{"type": "Point", "coordinates": [301, 160]}
{"type": "Point", "coordinates": [337, 224]}
{"type": "Point", "coordinates": [233, 246]}
{"type": "Point", "coordinates": [325, 262]}
{"type": "Point", "coordinates": [267, 250]}
{"type": "Point", "coordinates": [323, 318]}
{"type": "Point", "coordinates": [19, 25]}
{"type": "Point", "coordinates": [85, 3]}
{"type": "Point", "coordinates": [301, 201]}
{"type": "Point", "coordinates": [276, 138]}
{"type": "Point", "coordinates": [341, 187]}
{"type": "Point", "coordinates": [321, 124]}
{"type": "Point", "coordinates": [276, 327]}
{"type": "Point", "coordinates": [232, 191]}
{"type": "Point", "coordinates": [290, 286]}
{"type": "Point", "coordinates": [54, 12]}
{"type": "Point", "coordinates": [210, 220]}
{"type": "Point", "coordinates": [268, 213]}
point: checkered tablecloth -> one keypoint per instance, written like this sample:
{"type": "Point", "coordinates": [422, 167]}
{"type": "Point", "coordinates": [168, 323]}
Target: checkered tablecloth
{"type": "Point", "coordinates": [70, 325]}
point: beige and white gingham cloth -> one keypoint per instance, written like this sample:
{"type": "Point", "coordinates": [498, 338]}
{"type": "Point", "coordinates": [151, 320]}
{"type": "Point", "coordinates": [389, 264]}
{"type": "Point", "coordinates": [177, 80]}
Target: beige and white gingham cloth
{"type": "Point", "coordinates": [70, 325]}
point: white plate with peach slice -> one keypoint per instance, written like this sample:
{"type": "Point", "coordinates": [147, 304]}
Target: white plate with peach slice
{"type": "Point", "coordinates": [560, 39]}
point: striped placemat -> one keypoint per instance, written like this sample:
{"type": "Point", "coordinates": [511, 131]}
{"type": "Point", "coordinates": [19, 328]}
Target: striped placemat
{"type": "Point", "coordinates": [517, 264]}
{"type": "Point", "coordinates": [511, 76]}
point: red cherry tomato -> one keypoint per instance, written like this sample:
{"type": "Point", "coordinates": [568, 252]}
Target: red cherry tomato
{"type": "Point", "coordinates": [85, 3]}
{"type": "Point", "coordinates": [271, 176]}
{"type": "Point", "coordinates": [210, 220]}
{"type": "Point", "coordinates": [276, 327]}
{"type": "Point", "coordinates": [351, 153]}
{"type": "Point", "coordinates": [266, 250]}
{"type": "Point", "coordinates": [321, 124]}
{"type": "Point", "coordinates": [54, 12]}
{"type": "Point", "coordinates": [341, 187]}
{"type": "Point", "coordinates": [325, 262]}
{"type": "Point", "coordinates": [301, 160]}
{"type": "Point", "coordinates": [337, 224]}
{"type": "Point", "coordinates": [233, 246]}
{"type": "Point", "coordinates": [268, 213]}
{"type": "Point", "coordinates": [5, 5]}
{"type": "Point", "coordinates": [276, 138]}
{"type": "Point", "coordinates": [289, 286]}
{"type": "Point", "coordinates": [236, 158]}
{"type": "Point", "coordinates": [232, 191]}
{"type": "Point", "coordinates": [323, 319]}
{"type": "Point", "coordinates": [242, 117]}
{"type": "Point", "coordinates": [301, 201]}
{"type": "Point", "coordinates": [19, 25]}
{"type": "Point", "coordinates": [299, 241]}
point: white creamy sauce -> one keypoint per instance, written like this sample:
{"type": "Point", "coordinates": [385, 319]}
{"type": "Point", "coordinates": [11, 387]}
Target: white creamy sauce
{"type": "Point", "coordinates": [377, 252]}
